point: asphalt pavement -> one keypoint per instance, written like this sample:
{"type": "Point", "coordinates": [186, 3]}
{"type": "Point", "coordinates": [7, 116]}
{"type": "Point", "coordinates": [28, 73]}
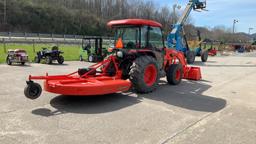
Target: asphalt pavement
{"type": "Point", "coordinates": [219, 109]}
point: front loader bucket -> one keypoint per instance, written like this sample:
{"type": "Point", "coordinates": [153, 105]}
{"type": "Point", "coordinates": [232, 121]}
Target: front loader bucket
{"type": "Point", "coordinates": [193, 73]}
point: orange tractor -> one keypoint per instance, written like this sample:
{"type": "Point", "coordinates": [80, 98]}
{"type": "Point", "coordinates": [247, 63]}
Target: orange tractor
{"type": "Point", "coordinates": [139, 59]}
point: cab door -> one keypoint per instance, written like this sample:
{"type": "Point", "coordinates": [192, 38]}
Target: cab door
{"type": "Point", "coordinates": [156, 43]}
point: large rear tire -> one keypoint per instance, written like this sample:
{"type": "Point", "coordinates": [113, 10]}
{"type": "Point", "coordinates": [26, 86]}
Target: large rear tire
{"type": "Point", "coordinates": [174, 74]}
{"type": "Point", "coordinates": [144, 74]}
{"type": "Point", "coordinates": [190, 56]}
{"type": "Point", "coordinates": [204, 56]}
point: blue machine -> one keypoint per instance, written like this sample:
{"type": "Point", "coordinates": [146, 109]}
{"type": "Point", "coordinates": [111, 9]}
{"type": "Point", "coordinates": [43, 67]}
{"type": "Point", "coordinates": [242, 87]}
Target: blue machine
{"type": "Point", "coordinates": [177, 39]}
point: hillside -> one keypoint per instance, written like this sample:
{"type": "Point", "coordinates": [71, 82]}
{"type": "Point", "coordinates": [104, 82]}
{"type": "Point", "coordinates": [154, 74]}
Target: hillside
{"type": "Point", "coordinates": [85, 17]}
{"type": "Point", "coordinates": [89, 17]}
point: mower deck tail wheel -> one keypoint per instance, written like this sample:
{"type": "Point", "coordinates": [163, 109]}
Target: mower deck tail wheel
{"type": "Point", "coordinates": [190, 56]}
{"type": "Point", "coordinates": [174, 74]}
{"type": "Point", "coordinates": [32, 90]}
{"type": "Point", "coordinates": [48, 60]}
{"type": "Point", "coordinates": [204, 56]}
{"type": "Point", "coordinates": [144, 74]}
{"type": "Point", "coordinates": [60, 59]}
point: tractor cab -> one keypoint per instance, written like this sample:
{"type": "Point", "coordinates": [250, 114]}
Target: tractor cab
{"type": "Point", "coordinates": [140, 37]}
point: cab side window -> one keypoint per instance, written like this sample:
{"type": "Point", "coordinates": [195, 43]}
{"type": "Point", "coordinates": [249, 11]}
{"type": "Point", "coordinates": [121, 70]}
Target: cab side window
{"type": "Point", "coordinates": [155, 38]}
{"type": "Point", "coordinates": [144, 36]}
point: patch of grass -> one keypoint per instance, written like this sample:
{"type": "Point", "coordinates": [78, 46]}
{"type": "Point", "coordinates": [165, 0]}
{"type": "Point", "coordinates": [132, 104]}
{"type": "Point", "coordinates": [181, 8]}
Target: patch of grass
{"type": "Point", "coordinates": [71, 52]}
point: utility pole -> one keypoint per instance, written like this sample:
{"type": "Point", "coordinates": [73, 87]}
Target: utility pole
{"type": "Point", "coordinates": [234, 23]}
{"type": "Point", "coordinates": [250, 30]}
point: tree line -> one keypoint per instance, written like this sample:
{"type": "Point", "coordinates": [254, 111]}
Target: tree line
{"type": "Point", "coordinates": [85, 17]}
{"type": "Point", "coordinates": [89, 17]}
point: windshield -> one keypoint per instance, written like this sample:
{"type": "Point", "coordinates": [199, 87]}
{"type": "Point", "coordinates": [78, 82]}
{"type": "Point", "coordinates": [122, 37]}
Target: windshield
{"type": "Point", "coordinates": [130, 37]}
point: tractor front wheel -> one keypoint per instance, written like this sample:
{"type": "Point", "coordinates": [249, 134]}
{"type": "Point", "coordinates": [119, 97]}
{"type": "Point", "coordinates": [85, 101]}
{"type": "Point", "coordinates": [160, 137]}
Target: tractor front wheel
{"type": "Point", "coordinates": [32, 90]}
{"type": "Point", "coordinates": [174, 74]}
{"type": "Point", "coordinates": [144, 74]}
{"type": "Point", "coordinates": [48, 60]}
{"type": "Point", "coordinates": [8, 61]}
{"type": "Point", "coordinates": [190, 55]}
{"type": "Point", "coordinates": [60, 59]}
{"type": "Point", "coordinates": [204, 56]}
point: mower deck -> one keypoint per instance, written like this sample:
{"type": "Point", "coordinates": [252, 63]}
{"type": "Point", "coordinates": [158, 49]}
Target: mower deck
{"type": "Point", "coordinates": [86, 87]}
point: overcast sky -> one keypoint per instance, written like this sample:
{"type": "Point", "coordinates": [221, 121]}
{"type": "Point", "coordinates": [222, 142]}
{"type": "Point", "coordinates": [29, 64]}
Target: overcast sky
{"type": "Point", "coordinates": [222, 12]}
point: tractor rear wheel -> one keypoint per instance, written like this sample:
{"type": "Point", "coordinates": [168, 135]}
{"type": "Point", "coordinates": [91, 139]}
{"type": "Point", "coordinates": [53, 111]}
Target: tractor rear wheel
{"type": "Point", "coordinates": [174, 74]}
{"type": "Point", "coordinates": [144, 74]}
{"type": "Point", "coordinates": [190, 55]}
{"type": "Point", "coordinates": [48, 60]}
{"type": "Point", "coordinates": [204, 56]}
{"type": "Point", "coordinates": [60, 59]}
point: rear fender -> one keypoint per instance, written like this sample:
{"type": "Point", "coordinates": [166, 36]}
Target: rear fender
{"type": "Point", "coordinates": [138, 53]}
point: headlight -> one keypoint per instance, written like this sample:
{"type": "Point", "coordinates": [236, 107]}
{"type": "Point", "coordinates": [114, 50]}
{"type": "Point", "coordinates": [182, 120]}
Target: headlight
{"type": "Point", "coordinates": [120, 54]}
{"type": "Point", "coordinates": [177, 61]}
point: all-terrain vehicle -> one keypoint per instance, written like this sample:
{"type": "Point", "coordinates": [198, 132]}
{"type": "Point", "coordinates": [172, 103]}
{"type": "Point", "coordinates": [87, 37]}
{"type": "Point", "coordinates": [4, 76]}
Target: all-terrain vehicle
{"type": "Point", "coordinates": [16, 56]}
{"type": "Point", "coordinates": [93, 47]}
{"type": "Point", "coordinates": [139, 59]}
{"type": "Point", "coordinates": [50, 55]}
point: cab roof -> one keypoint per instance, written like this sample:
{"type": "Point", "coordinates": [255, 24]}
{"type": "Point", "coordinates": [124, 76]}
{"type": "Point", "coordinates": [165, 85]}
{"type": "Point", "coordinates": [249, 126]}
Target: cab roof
{"type": "Point", "coordinates": [137, 22]}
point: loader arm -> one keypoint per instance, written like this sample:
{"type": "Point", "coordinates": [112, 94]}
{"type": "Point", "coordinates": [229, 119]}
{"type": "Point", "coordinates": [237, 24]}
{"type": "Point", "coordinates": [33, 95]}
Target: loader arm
{"type": "Point", "coordinates": [176, 36]}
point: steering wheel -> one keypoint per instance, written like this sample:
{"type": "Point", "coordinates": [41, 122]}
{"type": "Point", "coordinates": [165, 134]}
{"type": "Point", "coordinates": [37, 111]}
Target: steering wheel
{"type": "Point", "coordinates": [87, 47]}
{"type": "Point", "coordinates": [130, 45]}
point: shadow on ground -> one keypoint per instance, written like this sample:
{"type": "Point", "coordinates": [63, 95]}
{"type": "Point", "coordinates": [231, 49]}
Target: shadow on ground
{"type": "Point", "coordinates": [187, 95]}
{"type": "Point", "coordinates": [88, 105]}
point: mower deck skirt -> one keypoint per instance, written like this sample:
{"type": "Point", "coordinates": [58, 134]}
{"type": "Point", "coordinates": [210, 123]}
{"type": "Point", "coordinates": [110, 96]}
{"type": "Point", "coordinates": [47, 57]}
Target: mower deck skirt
{"type": "Point", "coordinates": [87, 87]}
